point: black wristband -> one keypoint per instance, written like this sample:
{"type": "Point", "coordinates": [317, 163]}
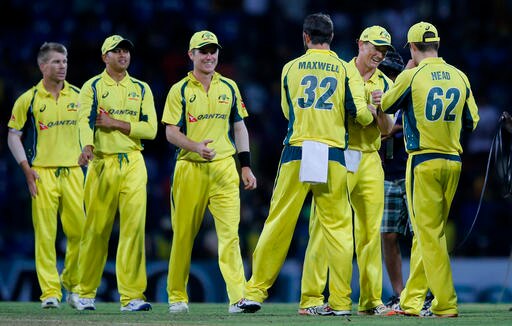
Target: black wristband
{"type": "Point", "coordinates": [245, 159]}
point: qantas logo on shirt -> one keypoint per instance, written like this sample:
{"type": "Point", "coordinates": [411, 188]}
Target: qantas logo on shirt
{"type": "Point", "coordinates": [208, 116]}
{"type": "Point", "coordinates": [118, 112]}
{"type": "Point", "coordinates": [57, 123]}
{"type": "Point", "coordinates": [42, 126]}
{"type": "Point", "coordinates": [191, 118]}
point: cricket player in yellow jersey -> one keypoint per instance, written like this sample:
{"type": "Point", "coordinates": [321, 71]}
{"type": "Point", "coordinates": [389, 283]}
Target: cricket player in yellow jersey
{"type": "Point", "coordinates": [204, 115]}
{"type": "Point", "coordinates": [438, 106]}
{"type": "Point", "coordinates": [318, 93]}
{"type": "Point", "coordinates": [116, 112]}
{"type": "Point", "coordinates": [366, 189]}
{"type": "Point", "coordinates": [46, 116]}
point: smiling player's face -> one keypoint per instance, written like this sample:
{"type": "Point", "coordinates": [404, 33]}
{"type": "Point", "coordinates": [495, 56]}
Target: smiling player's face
{"type": "Point", "coordinates": [205, 59]}
{"type": "Point", "coordinates": [372, 55]}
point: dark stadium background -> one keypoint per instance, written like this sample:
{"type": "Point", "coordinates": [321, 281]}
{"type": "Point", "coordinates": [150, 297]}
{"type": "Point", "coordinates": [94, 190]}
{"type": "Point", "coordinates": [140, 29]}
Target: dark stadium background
{"type": "Point", "coordinates": [258, 37]}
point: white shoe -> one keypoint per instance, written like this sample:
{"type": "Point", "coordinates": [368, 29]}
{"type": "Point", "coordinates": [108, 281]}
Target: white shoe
{"type": "Point", "coordinates": [248, 306]}
{"type": "Point", "coordinates": [323, 310]}
{"type": "Point", "coordinates": [380, 310]}
{"type": "Point", "coordinates": [72, 299]}
{"type": "Point", "coordinates": [85, 304]}
{"type": "Point", "coordinates": [137, 305]}
{"type": "Point", "coordinates": [234, 308]}
{"type": "Point", "coordinates": [50, 303]}
{"type": "Point", "coordinates": [178, 307]}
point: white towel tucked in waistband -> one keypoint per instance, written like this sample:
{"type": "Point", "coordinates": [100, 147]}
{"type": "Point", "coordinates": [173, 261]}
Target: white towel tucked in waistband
{"type": "Point", "coordinates": [352, 159]}
{"type": "Point", "coordinates": [314, 162]}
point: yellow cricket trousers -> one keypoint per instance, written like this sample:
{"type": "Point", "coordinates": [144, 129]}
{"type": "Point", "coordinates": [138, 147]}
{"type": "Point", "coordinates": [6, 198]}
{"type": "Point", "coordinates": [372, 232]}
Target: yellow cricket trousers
{"type": "Point", "coordinates": [334, 217]}
{"type": "Point", "coordinates": [115, 183]}
{"type": "Point", "coordinates": [59, 192]}
{"type": "Point", "coordinates": [196, 186]}
{"type": "Point", "coordinates": [431, 181]}
{"type": "Point", "coordinates": [366, 189]}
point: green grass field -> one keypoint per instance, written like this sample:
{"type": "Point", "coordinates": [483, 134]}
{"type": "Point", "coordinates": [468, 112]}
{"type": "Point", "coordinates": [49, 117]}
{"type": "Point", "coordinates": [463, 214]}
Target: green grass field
{"type": "Point", "coordinates": [30, 313]}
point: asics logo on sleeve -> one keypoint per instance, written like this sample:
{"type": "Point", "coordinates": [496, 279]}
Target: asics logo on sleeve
{"type": "Point", "coordinates": [192, 98]}
{"type": "Point", "coordinates": [42, 108]}
{"type": "Point", "coordinates": [104, 95]}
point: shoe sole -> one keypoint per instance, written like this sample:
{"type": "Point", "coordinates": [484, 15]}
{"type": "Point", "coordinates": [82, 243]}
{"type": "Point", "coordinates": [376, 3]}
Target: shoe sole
{"type": "Point", "coordinates": [442, 316]}
{"type": "Point", "coordinates": [399, 313]}
{"type": "Point", "coordinates": [250, 309]}
{"type": "Point", "coordinates": [143, 308]}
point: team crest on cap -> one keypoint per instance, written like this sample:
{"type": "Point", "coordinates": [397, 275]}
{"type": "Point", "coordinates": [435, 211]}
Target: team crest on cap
{"type": "Point", "coordinates": [207, 36]}
{"type": "Point", "coordinates": [385, 35]}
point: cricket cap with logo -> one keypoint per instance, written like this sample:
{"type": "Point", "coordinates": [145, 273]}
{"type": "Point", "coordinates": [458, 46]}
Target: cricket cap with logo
{"type": "Point", "coordinates": [377, 36]}
{"type": "Point", "coordinates": [203, 38]}
{"type": "Point", "coordinates": [417, 32]}
{"type": "Point", "coordinates": [116, 41]}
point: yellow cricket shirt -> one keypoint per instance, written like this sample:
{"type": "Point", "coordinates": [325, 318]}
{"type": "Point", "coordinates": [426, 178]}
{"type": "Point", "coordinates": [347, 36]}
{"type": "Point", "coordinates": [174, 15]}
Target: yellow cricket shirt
{"type": "Point", "coordinates": [49, 126]}
{"type": "Point", "coordinates": [317, 94]}
{"type": "Point", "coordinates": [438, 105]}
{"type": "Point", "coordinates": [130, 100]}
{"type": "Point", "coordinates": [367, 139]}
{"type": "Point", "coordinates": [202, 115]}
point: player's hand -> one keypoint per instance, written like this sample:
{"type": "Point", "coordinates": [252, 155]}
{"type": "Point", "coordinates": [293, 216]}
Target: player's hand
{"type": "Point", "coordinates": [377, 97]}
{"type": "Point", "coordinates": [104, 120]}
{"type": "Point", "coordinates": [410, 64]}
{"type": "Point", "coordinates": [373, 110]}
{"type": "Point", "coordinates": [31, 176]}
{"type": "Point", "coordinates": [85, 156]}
{"type": "Point", "coordinates": [248, 179]}
{"type": "Point", "coordinates": [204, 151]}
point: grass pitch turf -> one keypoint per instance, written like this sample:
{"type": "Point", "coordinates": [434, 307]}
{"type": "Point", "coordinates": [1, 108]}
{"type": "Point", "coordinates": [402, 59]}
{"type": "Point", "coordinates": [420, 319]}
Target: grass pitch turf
{"type": "Point", "coordinates": [30, 313]}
